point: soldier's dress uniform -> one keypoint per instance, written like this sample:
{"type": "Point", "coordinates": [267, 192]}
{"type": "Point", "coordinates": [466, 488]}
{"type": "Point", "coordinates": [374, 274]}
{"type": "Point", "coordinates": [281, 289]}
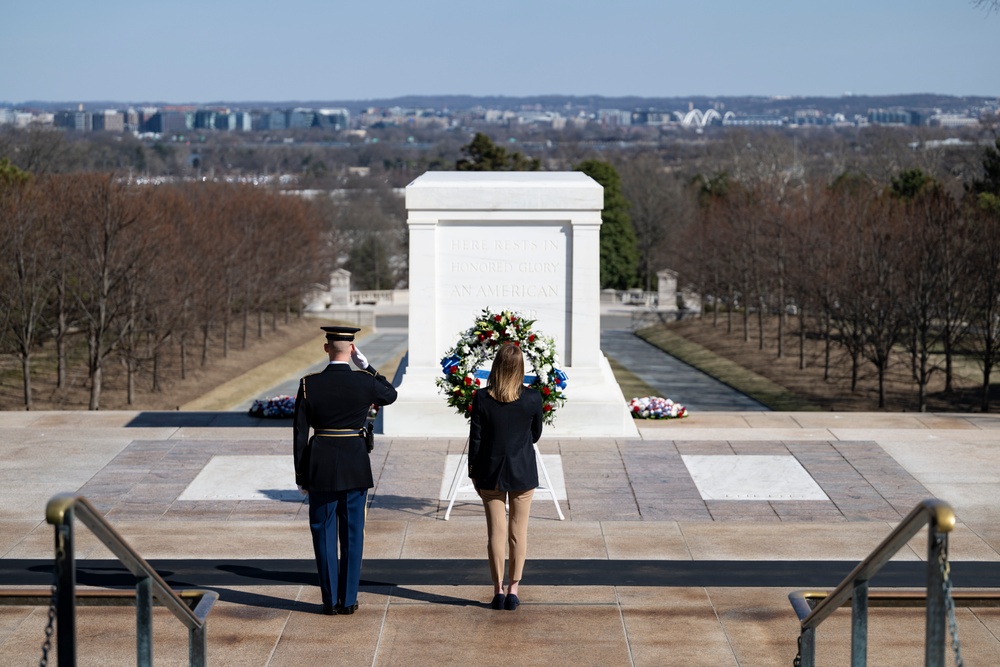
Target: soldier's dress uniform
{"type": "Point", "coordinates": [334, 467]}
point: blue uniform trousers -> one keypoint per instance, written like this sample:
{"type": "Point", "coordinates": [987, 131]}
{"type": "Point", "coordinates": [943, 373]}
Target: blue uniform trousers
{"type": "Point", "coordinates": [339, 514]}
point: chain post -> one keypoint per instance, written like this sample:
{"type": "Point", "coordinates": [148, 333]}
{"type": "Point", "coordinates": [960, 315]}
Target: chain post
{"type": "Point", "coordinates": [66, 596]}
{"type": "Point", "coordinates": [51, 625]}
{"type": "Point", "coordinates": [949, 602]}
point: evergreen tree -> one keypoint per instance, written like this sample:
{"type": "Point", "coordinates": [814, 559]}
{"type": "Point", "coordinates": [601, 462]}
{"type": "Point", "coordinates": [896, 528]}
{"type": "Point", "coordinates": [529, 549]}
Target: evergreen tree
{"type": "Point", "coordinates": [369, 265]}
{"type": "Point", "coordinates": [619, 254]}
{"type": "Point", "coordinates": [987, 188]}
{"type": "Point", "coordinates": [909, 183]}
{"type": "Point", "coordinates": [483, 155]}
{"type": "Point", "coordinates": [10, 175]}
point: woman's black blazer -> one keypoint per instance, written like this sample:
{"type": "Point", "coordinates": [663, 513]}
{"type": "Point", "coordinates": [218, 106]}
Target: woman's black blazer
{"type": "Point", "coordinates": [501, 435]}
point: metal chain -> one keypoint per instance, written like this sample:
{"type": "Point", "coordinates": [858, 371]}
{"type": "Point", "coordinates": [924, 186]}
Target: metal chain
{"type": "Point", "coordinates": [949, 604]}
{"type": "Point", "coordinates": [797, 662]}
{"type": "Point", "coordinates": [50, 627]}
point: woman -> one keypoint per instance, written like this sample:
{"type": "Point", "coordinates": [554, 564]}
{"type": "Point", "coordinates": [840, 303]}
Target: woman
{"type": "Point", "coordinates": [506, 422]}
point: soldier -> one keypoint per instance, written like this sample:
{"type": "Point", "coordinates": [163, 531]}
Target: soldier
{"type": "Point", "coordinates": [333, 466]}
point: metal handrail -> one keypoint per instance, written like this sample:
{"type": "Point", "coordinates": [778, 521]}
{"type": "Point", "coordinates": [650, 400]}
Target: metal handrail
{"type": "Point", "coordinates": [940, 518]}
{"type": "Point", "coordinates": [59, 512]}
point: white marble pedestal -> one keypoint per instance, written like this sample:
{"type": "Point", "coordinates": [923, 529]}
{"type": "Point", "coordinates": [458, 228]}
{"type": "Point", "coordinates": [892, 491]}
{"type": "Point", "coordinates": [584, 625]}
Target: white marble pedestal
{"type": "Point", "coordinates": [519, 241]}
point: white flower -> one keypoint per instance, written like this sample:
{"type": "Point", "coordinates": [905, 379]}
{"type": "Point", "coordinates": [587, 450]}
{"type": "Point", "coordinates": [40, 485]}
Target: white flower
{"type": "Point", "coordinates": [547, 368]}
{"type": "Point", "coordinates": [494, 336]}
{"type": "Point", "coordinates": [543, 377]}
{"type": "Point", "coordinates": [466, 349]}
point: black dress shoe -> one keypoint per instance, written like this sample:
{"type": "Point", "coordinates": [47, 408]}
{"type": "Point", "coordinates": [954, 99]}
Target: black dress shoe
{"type": "Point", "coordinates": [511, 603]}
{"type": "Point", "coordinates": [329, 611]}
{"type": "Point", "coordinates": [348, 610]}
{"type": "Point", "coordinates": [497, 602]}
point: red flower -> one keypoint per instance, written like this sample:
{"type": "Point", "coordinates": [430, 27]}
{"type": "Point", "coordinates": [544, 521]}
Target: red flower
{"type": "Point", "coordinates": [546, 391]}
{"type": "Point", "coordinates": [468, 380]}
{"type": "Point", "coordinates": [517, 343]}
{"type": "Point", "coordinates": [547, 408]}
{"type": "Point", "coordinates": [478, 383]}
{"type": "Point", "coordinates": [469, 409]}
{"type": "Point", "coordinates": [454, 369]}
{"type": "Point", "coordinates": [531, 338]}
{"type": "Point", "coordinates": [497, 318]}
{"type": "Point", "coordinates": [482, 337]}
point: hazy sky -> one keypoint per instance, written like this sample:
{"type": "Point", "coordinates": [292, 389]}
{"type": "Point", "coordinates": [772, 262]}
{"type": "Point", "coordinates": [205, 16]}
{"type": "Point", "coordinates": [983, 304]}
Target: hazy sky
{"type": "Point", "coordinates": [210, 50]}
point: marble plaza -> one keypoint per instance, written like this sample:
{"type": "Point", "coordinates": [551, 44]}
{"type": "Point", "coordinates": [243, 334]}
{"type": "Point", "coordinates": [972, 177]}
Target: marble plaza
{"type": "Point", "coordinates": [207, 494]}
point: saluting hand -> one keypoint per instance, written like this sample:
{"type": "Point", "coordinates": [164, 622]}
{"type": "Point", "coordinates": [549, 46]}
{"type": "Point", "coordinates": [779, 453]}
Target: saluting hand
{"type": "Point", "coordinates": [359, 359]}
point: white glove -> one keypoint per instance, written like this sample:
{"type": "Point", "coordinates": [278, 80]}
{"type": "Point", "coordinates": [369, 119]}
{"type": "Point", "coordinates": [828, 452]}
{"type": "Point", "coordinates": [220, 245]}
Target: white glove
{"type": "Point", "coordinates": [359, 359]}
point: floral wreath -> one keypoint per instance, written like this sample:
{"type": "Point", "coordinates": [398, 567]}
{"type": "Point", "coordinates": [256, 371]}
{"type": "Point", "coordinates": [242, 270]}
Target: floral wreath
{"type": "Point", "coordinates": [480, 342]}
{"type": "Point", "coordinates": [276, 407]}
{"type": "Point", "coordinates": [656, 407]}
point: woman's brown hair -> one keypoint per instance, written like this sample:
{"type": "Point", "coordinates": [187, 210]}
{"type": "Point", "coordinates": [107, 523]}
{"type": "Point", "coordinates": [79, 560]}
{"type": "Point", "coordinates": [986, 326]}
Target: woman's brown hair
{"type": "Point", "coordinates": [507, 377]}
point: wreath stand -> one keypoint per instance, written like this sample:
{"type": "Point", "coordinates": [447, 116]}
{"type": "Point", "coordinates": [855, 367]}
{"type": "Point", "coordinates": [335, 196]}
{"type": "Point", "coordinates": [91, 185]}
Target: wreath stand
{"type": "Point", "coordinates": [457, 487]}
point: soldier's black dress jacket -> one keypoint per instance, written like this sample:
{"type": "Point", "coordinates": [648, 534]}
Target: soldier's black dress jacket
{"type": "Point", "coordinates": [501, 435]}
{"type": "Point", "coordinates": [336, 398]}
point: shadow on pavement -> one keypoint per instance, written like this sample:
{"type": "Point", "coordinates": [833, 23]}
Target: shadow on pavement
{"type": "Point", "coordinates": [179, 419]}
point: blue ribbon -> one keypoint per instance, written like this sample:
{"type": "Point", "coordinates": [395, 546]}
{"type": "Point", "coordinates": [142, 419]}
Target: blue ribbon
{"type": "Point", "coordinates": [448, 363]}
{"type": "Point", "coordinates": [528, 379]}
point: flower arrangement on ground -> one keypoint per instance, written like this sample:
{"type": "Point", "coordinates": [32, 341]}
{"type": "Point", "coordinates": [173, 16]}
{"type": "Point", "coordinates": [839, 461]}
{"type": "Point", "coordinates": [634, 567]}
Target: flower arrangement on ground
{"type": "Point", "coordinates": [479, 344]}
{"type": "Point", "coordinates": [276, 407]}
{"type": "Point", "coordinates": [655, 407]}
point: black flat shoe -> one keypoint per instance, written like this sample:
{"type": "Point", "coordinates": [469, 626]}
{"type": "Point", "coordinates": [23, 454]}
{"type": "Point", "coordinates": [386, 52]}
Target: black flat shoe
{"type": "Point", "coordinates": [511, 603]}
{"type": "Point", "coordinates": [498, 601]}
{"type": "Point", "coordinates": [347, 611]}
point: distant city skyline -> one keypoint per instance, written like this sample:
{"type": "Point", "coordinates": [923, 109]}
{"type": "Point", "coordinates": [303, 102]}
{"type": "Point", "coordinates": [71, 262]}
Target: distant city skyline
{"type": "Point", "coordinates": [188, 52]}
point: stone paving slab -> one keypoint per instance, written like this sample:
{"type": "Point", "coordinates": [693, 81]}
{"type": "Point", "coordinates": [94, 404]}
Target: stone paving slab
{"type": "Point", "coordinates": [627, 499]}
{"type": "Point", "coordinates": [452, 625]}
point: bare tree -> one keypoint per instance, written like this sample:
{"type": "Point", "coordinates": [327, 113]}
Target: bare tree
{"type": "Point", "coordinates": [25, 280]}
{"type": "Point", "coordinates": [882, 287]}
{"type": "Point", "coordinates": [708, 259]}
{"type": "Point", "coordinates": [661, 207]}
{"type": "Point", "coordinates": [810, 273]}
{"type": "Point", "coordinates": [985, 218]}
{"type": "Point", "coordinates": [849, 205]}
{"type": "Point", "coordinates": [928, 215]}
{"type": "Point", "coordinates": [108, 218]}
{"type": "Point", "coordinates": [37, 150]}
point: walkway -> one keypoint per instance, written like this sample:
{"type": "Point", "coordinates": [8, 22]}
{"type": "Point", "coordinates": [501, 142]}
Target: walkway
{"type": "Point", "coordinates": [382, 348]}
{"type": "Point", "coordinates": [671, 377]}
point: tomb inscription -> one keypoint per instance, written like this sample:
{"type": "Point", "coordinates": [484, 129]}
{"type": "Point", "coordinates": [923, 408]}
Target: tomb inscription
{"type": "Point", "coordinates": [504, 267]}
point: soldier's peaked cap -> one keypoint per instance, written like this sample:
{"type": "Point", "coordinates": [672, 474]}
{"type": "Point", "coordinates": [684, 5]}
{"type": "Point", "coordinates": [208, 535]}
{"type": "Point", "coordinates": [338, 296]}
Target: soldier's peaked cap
{"type": "Point", "coordinates": [340, 333]}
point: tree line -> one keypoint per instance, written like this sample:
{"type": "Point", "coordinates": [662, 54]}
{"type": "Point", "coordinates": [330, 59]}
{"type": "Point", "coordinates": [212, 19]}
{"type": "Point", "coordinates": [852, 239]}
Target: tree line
{"type": "Point", "coordinates": [884, 261]}
{"type": "Point", "coordinates": [756, 222]}
{"type": "Point", "coordinates": [137, 271]}
{"type": "Point", "coordinates": [885, 269]}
